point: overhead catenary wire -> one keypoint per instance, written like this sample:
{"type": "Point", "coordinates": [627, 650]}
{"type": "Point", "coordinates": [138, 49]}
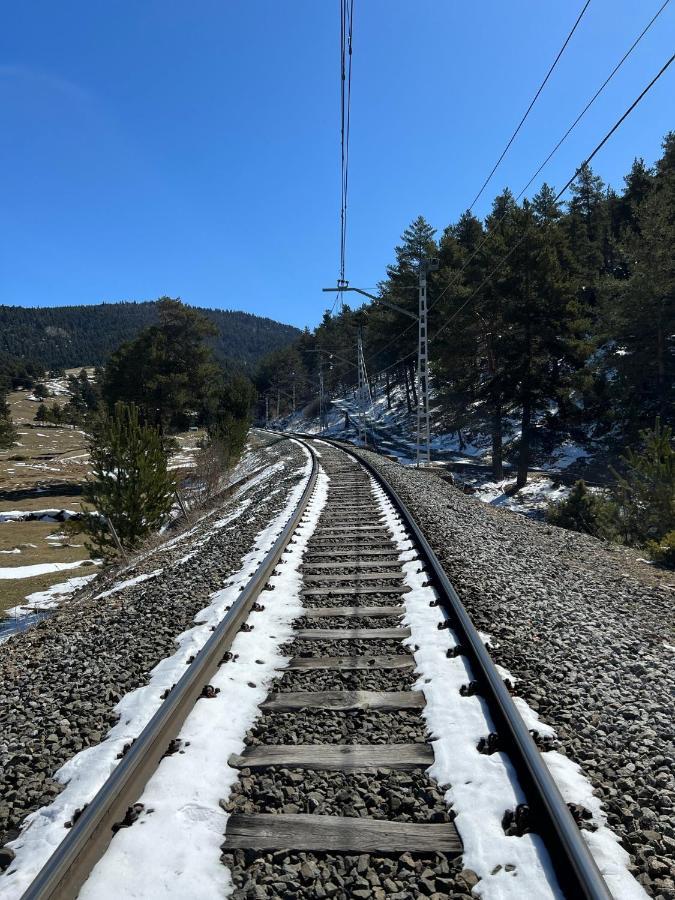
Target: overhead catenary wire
{"type": "Point", "coordinates": [455, 279]}
{"type": "Point", "coordinates": [586, 162]}
{"type": "Point", "coordinates": [346, 29]}
{"type": "Point", "coordinates": [532, 102]}
{"type": "Point", "coordinates": [560, 193]}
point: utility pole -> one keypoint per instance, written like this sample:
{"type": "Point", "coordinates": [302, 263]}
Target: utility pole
{"type": "Point", "coordinates": [423, 430]}
{"type": "Point", "coordinates": [267, 410]}
{"type": "Point", "coordinates": [423, 422]}
{"type": "Point", "coordinates": [361, 390]}
{"type": "Point", "coordinates": [322, 404]}
{"type": "Point", "coordinates": [278, 401]}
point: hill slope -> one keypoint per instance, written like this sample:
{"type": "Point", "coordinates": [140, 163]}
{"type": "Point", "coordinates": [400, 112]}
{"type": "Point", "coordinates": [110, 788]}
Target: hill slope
{"type": "Point", "coordinates": [66, 336]}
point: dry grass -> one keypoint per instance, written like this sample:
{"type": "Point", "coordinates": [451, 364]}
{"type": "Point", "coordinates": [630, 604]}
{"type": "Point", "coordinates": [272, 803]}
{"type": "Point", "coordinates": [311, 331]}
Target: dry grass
{"type": "Point", "coordinates": [31, 538]}
{"type": "Point", "coordinates": [46, 470]}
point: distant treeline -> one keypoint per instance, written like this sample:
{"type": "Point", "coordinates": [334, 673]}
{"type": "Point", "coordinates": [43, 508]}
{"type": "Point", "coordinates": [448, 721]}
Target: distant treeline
{"type": "Point", "coordinates": [69, 336]}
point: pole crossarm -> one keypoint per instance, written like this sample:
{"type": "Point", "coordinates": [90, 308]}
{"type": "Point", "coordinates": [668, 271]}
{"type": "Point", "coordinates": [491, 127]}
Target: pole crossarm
{"type": "Point", "coordinates": [394, 306]}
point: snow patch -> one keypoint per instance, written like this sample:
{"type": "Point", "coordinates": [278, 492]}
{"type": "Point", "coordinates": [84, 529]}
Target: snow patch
{"type": "Point", "coordinates": [49, 598]}
{"type": "Point", "coordinates": [13, 572]}
{"type": "Point", "coordinates": [121, 585]}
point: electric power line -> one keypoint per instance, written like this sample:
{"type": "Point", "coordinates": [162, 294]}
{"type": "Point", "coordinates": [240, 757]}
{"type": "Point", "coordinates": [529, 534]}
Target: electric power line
{"type": "Point", "coordinates": [532, 102]}
{"type": "Point", "coordinates": [346, 20]}
{"type": "Point", "coordinates": [489, 235]}
{"type": "Point", "coordinates": [588, 159]}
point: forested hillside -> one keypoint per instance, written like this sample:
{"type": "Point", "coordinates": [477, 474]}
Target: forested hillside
{"type": "Point", "coordinates": [547, 319]}
{"type": "Point", "coordinates": [67, 336]}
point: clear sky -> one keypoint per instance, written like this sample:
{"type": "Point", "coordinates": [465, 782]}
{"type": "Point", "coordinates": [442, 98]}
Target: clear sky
{"type": "Point", "coordinates": [192, 148]}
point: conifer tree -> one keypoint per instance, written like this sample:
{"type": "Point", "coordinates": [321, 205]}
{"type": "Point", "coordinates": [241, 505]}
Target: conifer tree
{"type": "Point", "coordinates": [42, 414]}
{"type": "Point", "coordinates": [646, 491]}
{"type": "Point", "coordinates": [167, 370]}
{"type": "Point", "coordinates": [643, 320]}
{"type": "Point", "coordinates": [130, 487]}
{"type": "Point", "coordinates": [7, 430]}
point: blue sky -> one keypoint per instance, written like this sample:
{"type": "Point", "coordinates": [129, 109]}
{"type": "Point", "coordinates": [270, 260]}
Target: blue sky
{"type": "Point", "coordinates": [192, 149]}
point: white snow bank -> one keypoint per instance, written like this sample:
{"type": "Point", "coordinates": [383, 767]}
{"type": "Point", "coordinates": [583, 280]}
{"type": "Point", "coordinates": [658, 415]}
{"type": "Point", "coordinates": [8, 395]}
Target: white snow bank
{"type": "Point", "coordinates": [43, 515]}
{"type": "Point", "coordinates": [87, 771]}
{"type": "Point", "coordinates": [536, 495]}
{"type": "Point", "coordinates": [121, 585]}
{"type": "Point", "coordinates": [174, 852]}
{"type": "Point", "coordinates": [42, 568]}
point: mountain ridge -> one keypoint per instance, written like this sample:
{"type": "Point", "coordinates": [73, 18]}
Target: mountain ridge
{"type": "Point", "coordinates": [69, 336]}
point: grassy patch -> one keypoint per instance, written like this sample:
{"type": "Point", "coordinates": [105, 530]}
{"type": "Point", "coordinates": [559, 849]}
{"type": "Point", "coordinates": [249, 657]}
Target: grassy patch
{"type": "Point", "coordinates": [13, 593]}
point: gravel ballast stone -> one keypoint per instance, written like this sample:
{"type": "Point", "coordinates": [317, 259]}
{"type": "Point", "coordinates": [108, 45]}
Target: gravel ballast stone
{"type": "Point", "coordinates": [378, 793]}
{"type": "Point", "coordinates": [371, 726]}
{"type": "Point", "coordinates": [316, 876]}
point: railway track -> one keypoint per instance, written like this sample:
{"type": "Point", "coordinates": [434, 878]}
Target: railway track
{"type": "Point", "coordinates": [335, 783]}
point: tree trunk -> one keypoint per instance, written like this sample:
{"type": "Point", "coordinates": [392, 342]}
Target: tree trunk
{"type": "Point", "coordinates": [388, 389]}
{"type": "Point", "coordinates": [407, 388]}
{"type": "Point", "coordinates": [526, 422]}
{"type": "Point", "coordinates": [412, 383]}
{"type": "Point", "coordinates": [460, 438]}
{"type": "Point", "coordinates": [497, 452]}
{"type": "Point", "coordinates": [661, 368]}
{"type": "Point", "coordinates": [525, 432]}
{"type": "Point", "coordinates": [497, 455]}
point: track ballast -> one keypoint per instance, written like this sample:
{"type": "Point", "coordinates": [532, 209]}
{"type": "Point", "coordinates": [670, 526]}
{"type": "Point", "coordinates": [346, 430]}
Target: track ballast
{"type": "Point", "coordinates": [334, 796]}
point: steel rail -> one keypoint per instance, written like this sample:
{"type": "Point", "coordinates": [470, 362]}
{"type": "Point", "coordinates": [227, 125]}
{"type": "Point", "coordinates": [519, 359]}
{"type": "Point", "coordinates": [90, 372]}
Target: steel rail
{"type": "Point", "coordinates": [575, 868]}
{"type": "Point", "coordinates": [70, 865]}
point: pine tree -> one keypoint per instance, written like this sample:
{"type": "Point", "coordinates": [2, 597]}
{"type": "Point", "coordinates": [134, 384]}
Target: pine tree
{"type": "Point", "coordinates": [643, 320]}
{"type": "Point", "coordinates": [130, 487]}
{"type": "Point", "coordinates": [42, 414]}
{"type": "Point", "coordinates": [7, 430]}
{"type": "Point", "coordinates": [167, 370]}
{"type": "Point", "coordinates": [645, 493]}
{"type": "Point", "coordinates": [585, 512]}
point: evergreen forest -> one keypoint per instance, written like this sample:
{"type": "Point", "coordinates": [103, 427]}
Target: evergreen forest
{"type": "Point", "coordinates": [69, 336]}
{"type": "Point", "coordinates": [549, 320]}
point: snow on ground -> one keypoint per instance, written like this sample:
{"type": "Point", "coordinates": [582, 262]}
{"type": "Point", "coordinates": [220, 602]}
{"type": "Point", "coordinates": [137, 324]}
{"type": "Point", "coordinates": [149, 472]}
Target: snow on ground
{"type": "Point", "coordinates": [482, 787]}
{"type": "Point", "coordinates": [49, 598]}
{"type": "Point", "coordinates": [568, 453]}
{"type": "Point", "coordinates": [535, 496]}
{"type": "Point", "coordinates": [13, 572]}
{"type": "Point", "coordinates": [154, 858]}
{"type": "Point", "coordinates": [86, 772]}
{"type": "Point", "coordinates": [41, 515]}
{"type": "Point", "coordinates": [121, 585]}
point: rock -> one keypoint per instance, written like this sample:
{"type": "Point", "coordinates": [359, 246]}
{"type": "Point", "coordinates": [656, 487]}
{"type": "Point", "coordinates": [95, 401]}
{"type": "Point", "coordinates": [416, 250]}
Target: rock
{"type": "Point", "coordinates": [468, 878]}
{"type": "Point", "coordinates": [6, 857]}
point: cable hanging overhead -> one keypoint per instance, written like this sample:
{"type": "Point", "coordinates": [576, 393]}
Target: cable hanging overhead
{"type": "Point", "coordinates": [562, 190]}
{"type": "Point", "coordinates": [346, 20]}
{"type": "Point", "coordinates": [532, 102]}
{"type": "Point", "coordinates": [486, 238]}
